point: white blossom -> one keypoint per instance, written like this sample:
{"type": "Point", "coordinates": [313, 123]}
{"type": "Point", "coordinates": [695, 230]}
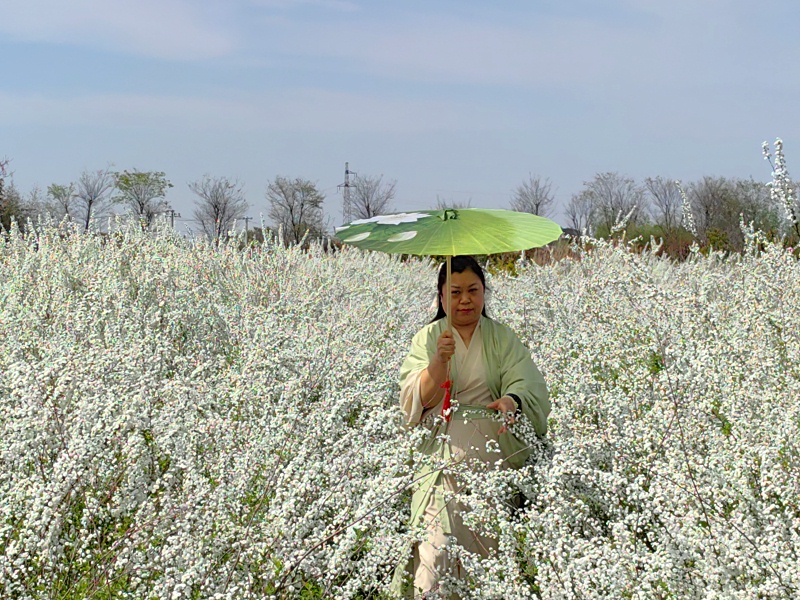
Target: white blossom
{"type": "Point", "coordinates": [185, 421]}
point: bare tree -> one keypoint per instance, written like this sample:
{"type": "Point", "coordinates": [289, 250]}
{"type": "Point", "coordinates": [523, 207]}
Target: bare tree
{"type": "Point", "coordinates": [613, 197]}
{"type": "Point", "coordinates": [91, 193]}
{"type": "Point", "coordinates": [757, 205]}
{"type": "Point", "coordinates": [61, 201]}
{"type": "Point", "coordinates": [534, 196]}
{"type": "Point", "coordinates": [143, 192]}
{"type": "Point", "coordinates": [34, 202]}
{"type": "Point", "coordinates": [3, 174]}
{"type": "Point", "coordinates": [220, 203]}
{"type": "Point", "coordinates": [442, 204]}
{"type": "Point", "coordinates": [718, 204]}
{"type": "Point", "coordinates": [714, 205]}
{"type": "Point", "coordinates": [370, 196]}
{"type": "Point", "coordinates": [666, 201]}
{"type": "Point", "coordinates": [11, 205]}
{"type": "Point", "coordinates": [579, 212]}
{"type": "Point", "coordinates": [295, 207]}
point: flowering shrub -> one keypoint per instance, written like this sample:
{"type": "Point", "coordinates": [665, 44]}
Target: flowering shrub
{"type": "Point", "coordinates": [783, 190]}
{"type": "Point", "coordinates": [182, 421]}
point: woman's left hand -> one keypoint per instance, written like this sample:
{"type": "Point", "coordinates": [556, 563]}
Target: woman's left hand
{"type": "Point", "coordinates": [508, 407]}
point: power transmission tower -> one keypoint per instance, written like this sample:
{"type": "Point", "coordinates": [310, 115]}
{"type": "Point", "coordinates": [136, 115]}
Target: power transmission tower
{"type": "Point", "coordinates": [347, 206]}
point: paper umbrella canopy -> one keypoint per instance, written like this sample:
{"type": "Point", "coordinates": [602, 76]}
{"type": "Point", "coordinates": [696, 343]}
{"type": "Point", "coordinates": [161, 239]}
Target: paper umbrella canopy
{"type": "Point", "coordinates": [450, 232]}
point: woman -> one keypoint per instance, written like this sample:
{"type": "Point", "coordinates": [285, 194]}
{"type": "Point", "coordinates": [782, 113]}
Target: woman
{"type": "Point", "coordinates": [492, 372]}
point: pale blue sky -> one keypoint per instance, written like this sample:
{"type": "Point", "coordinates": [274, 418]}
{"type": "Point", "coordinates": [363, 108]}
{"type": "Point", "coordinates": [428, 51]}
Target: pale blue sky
{"type": "Point", "coordinates": [460, 100]}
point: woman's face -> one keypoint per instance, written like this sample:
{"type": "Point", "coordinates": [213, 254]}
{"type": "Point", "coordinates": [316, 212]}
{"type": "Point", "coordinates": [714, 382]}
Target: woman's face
{"type": "Point", "coordinates": [466, 297]}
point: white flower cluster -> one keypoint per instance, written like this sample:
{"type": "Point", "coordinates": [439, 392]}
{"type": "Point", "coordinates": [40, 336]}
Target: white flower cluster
{"type": "Point", "coordinates": [782, 189]}
{"type": "Point", "coordinates": [676, 391]}
{"type": "Point", "coordinates": [686, 211]}
{"type": "Point", "coordinates": [183, 421]}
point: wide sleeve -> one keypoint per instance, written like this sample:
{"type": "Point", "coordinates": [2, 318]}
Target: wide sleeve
{"type": "Point", "coordinates": [520, 376]}
{"type": "Point", "coordinates": [423, 346]}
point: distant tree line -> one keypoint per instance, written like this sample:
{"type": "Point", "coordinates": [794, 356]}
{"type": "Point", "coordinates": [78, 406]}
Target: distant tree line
{"type": "Point", "coordinates": [708, 211]}
{"type": "Point", "coordinates": [93, 195]}
{"type": "Point", "coordinates": [295, 205]}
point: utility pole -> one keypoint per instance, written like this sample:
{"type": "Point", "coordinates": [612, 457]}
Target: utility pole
{"type": "Point", "coordinates": [172, 214]}
{"type": "Point", "coordinates": [247, 227]}
{"type": "Point", "coordinates": [347, 207]}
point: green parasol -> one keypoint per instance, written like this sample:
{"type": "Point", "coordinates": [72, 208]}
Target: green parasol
{"type": "Point", "coordinates": [449, 233]}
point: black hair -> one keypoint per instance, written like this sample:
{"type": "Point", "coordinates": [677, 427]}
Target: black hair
{"type": "Point", "coordinates": [458, 264]}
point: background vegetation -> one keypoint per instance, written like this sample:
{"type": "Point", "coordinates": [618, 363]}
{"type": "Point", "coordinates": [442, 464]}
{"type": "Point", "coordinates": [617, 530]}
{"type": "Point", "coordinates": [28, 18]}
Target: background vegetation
{"type": "Point", "coordinates": [708, 211]}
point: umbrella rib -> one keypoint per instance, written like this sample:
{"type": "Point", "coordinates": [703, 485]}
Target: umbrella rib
{"type": "Point", "coordinates": [474, 236]}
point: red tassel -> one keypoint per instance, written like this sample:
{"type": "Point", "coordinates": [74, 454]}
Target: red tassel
{"type": "Point", "coordinates": [446, 403]}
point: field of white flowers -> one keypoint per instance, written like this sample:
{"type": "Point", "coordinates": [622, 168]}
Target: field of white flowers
{"type": "Point", "coordinates": [180, 421]}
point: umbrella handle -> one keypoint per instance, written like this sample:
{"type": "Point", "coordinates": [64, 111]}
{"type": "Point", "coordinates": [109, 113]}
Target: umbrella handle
{"type": "Point", "coordinates": [448, 306]}
{"type": "Point", "coordinates": [446, 402]}
{"type": "Point", "coordinates": [449, 296]}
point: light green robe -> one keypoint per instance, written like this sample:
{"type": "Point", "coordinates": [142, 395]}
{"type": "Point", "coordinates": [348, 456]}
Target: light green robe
{"type": "Point", "coordinates": [508, 369]}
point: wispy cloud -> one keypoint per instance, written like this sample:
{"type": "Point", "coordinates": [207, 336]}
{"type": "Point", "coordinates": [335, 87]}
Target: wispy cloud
{"type": "Point", "coordinates": [301, 110]}
{"type": "Point", "coordinates": [462, 51]}
{"type": "Point", "coordinates": [646, 41]}
{"type": "Point", "coordinates": [171, 29]}
{"type": "Point", "coordinates": [336, 5]}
